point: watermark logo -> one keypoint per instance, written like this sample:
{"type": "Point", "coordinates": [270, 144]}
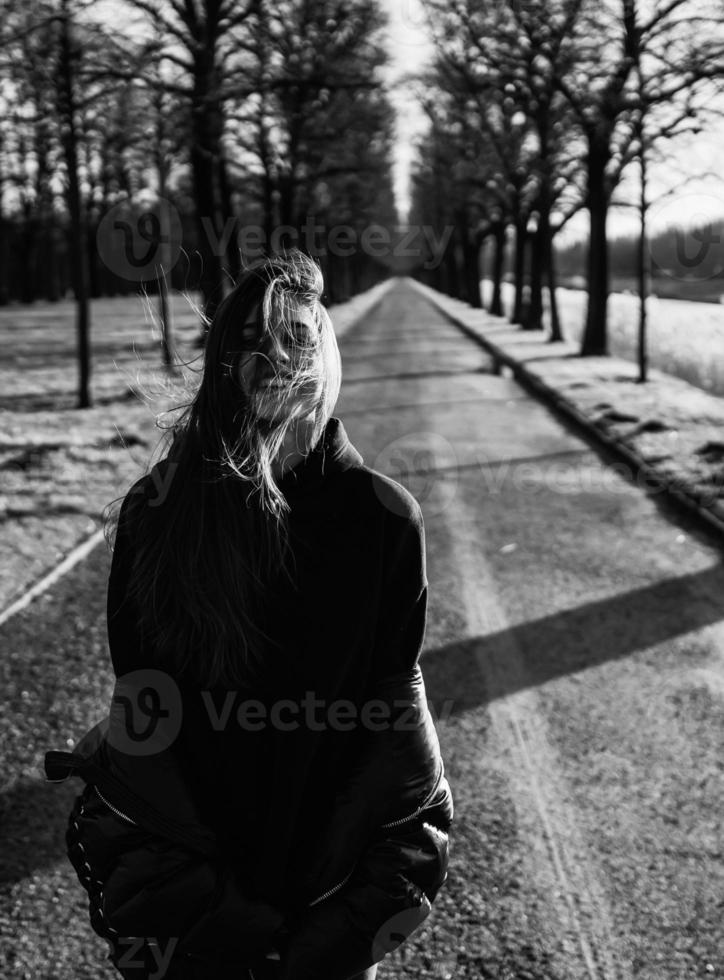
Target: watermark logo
{"type": "Point", "coordinates": [687, 237]}
{"type": "Point", "coordinates": [688, 699]}
{"type": "Point", "coordinates": [422, 244]}
{"type": "Point", "coordinates": [399, 928]}
{"type": "Point", "coordinates": [408, 24]}
{"type": "Point", "coordinates": [144, 954]}
{"type": "Point", "coordinates": [425, 464]}
{"type": "Point", "coordinates": [317, 714]}
{"type": "Point", "coordinates": [146, 713]}
{"type": "Point", "coordinates": [137, 243]}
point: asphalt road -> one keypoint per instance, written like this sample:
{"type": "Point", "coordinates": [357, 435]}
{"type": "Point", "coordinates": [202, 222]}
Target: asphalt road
{"type": "Point", "coordinates": [573, 658]}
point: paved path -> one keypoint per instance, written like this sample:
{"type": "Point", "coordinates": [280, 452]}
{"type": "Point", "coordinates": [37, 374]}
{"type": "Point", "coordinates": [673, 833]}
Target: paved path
{"type": "Point", "coordinates": [575, 631]}
{"type": "Point", "coordinates": [574, 658]}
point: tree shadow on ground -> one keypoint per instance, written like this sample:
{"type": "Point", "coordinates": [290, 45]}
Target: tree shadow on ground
{"type": "Point", "coordinates": [572, 640]}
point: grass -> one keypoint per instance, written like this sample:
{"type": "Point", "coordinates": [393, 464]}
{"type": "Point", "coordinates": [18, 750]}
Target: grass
{"type": "Point", "coordinates": [685, 338]}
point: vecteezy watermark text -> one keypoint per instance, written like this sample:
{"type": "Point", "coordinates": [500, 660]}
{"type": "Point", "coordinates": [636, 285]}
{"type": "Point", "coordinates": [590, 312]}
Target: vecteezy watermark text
{"type": "Point", "coordinates": [341, 714]}
{"type": "Point", "coordinates": [138, 244]}
{"type": "Point", "coordinates": [147, 712]}
{"type": "Point", "coordinates": [342, 241]}
{"type": "Point", "coordinates": [138, 952]}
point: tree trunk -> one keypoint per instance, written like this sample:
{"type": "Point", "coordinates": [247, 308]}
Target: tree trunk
{"type": "Point", "coordinates": [556, 331]}
{"type": "Point", "coordinates": [521, 230]}
{"type": "Point", "coordinates": [641, 257]}
{"type": "Point", "coordinates": [28, 276]}
{"type": "Point", "coordinates": [471, 266]}
{"type": "Point", "coordinates": [338, 285]}
{"type": "Point", "coordinates": [4, 259]}
{"type": "Point", "coordinates": [164, 307]}
{"type": "Point", "coordinates": [207, 226]}
{"type": "Point", "coordinates": [49, 258]}
{"type": "Point", "coordinates": [496, 301]}
{"type": "Point", "coordinates": [97, 272]}
{"type": "Point", "coordinates": [77, 243]}
{"type": "Point", "coordinates": [595, 337]}
{"type": "Point", "coordinates": [270, 192]}
{"type": "Point", "coordinates": [286, 199]}
{"type": "Point", "coordinates": [534, 318]}
{"type": "Point", "coordinates": [452, 274]}
{"type": "Point", "coordinates": [233, 256]}
{"type": "Point", "coordinates": [207, 127]}
{"type": "Point", "coordinates": [4, 234]}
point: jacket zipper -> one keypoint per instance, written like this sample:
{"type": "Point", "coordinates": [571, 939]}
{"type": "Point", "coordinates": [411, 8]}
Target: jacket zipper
{"type": "Point", "coordinates": [119, 813]}
{"type": "Point", "coordinates": [385, 826]}
{"type": "Point", "coordinates": [421, 807]}
{"type": "Point", "coordinates": [331, 891]}
{"type": "Point", "coordinates": [150, 818]}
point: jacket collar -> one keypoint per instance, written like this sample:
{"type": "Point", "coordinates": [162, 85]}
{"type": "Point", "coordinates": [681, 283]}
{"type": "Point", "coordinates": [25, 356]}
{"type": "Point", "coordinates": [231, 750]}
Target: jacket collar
{"type": "Point", "coordinates": [333, 454]}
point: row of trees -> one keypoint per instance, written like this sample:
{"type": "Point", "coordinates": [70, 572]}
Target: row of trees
{"type": "Point", "coordinates": [238, 113]}
{"type": "Point", "coordinates": [537, 109]}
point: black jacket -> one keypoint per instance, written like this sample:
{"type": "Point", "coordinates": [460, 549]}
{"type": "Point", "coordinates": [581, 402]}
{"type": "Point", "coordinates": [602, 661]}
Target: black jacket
{"type": "Point", "coordinates": [327, 845]}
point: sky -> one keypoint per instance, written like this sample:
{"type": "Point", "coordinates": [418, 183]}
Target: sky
{"type": "Point", "coordinates": [410, 48]}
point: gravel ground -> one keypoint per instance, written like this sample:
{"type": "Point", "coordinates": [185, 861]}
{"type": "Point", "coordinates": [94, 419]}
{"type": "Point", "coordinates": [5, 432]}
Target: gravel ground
{"type": "Point", "coordinates": [56, 678]}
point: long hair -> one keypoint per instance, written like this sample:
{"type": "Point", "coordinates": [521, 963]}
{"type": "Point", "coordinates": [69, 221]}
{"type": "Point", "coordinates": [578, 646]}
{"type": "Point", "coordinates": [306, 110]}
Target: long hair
{"type": "Point", "coordinates": [205, 557]}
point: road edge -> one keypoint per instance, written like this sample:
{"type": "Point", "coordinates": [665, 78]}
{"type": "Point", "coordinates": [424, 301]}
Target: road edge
{"type": "Point", "coordinates": [553, 399]}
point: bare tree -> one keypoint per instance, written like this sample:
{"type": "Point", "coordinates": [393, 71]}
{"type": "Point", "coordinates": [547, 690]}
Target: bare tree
{"type": "Point", "coordinates": [502, 60]}
{"type": "Point", "coordinates": [533, 59]}
{"type": "Point", "coordinates": [314, 140]}
{"type": "Point", "coordinates": [49, 52]}
{"type": "Point", "coordinates": [327, 61]}
{"type": "Point", "coordinates": [56, 59]}
{"type": "Point", "coordinates": [676, 93]}
{"type": "Point", "coordinates": [683, 38]}
{"type": "Point", "coordinates": [211, 43]}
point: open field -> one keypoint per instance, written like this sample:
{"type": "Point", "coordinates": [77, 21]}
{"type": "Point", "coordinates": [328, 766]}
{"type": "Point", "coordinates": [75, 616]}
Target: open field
{"type": "Point", "coordinates": [665, 287]}
{"type": "Point", "coordinates": [60, 465]}
{"type": "Point", "coordinates": [686, 338]}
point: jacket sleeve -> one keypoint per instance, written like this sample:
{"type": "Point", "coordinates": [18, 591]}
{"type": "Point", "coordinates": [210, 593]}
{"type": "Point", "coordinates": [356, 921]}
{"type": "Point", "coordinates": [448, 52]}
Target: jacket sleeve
{"type": "Point", "coordinates": [125, 642]}
{"type": "Point", "coordinates": [143, 884]}
{"type": "Point", "coordinates": [403, 605]}
{"type": "Point", "coordinates": [380, 860]}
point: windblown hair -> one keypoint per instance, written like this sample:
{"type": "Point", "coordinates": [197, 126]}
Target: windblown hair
{"type": "Point", "coordinates": [206, 556]}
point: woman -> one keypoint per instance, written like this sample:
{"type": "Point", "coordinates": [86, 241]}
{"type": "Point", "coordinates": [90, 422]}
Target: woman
{"type": "Point", "coordinates": [269, 793]}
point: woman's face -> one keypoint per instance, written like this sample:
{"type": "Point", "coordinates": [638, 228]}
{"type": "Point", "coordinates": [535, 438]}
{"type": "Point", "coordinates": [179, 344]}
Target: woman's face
{"type": "Point", "coordinates": [278, 372]}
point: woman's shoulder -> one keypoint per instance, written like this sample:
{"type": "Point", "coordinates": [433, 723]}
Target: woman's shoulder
{"type": "Point", "coordinates": [381, 493]}
{"type": "Point", "coordinates": [153, 485]}
{"type": "Point", "coordinates": [149, 490]}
